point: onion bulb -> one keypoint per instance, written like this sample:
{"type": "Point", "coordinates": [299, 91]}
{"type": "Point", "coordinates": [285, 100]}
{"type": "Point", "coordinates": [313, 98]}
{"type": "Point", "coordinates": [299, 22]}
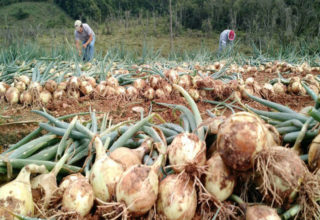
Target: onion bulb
{"type": "Point", "coordinates": [73, 94]}
{"type": "Point", "coordinates": [138, 187]}
{"type": "Point", "coordinates": [267, 90]}
{"type": "Point", "coordinates": [186, 152]}
{"type": "Point", "coordinates": [45, 96]}
{"type": "Point", "coordinates": [279, 88]}
{"type": "Point", "coordinates": [295, 86]}
{"type": "Point", "coordinates": [128, 157]}
{"type": "Point", "coordinates": [78, 197]}
{"type": "Point", "coordinates": [239, 138]}
{"type": "Point", "coordinates": [62, 86]}
{"type": "Point", "coordinates": [25, 79]}
{"type": "Point", "coordinates": [109, 91]}
{"type": "Point", "coordinates": [91, 81]}
{"type": "Point", "coordinates": [105, 173]}
{"type": "Point", "coordinates": [132, 92]}
{"type": "Point", "coordinates": [112, 81]}
{"type": "Point", "coordinates": [155, 81]}
{"type": "Point", "coordinates": [68, 180]}
{"type": "Point", "coordinates": [219, 181]}
{"type": "Point", "coordinates": [26, 98]}
{"type": "Point", "coordinates": [314, 153]}
{"type": "Point", "coordinates": [261, 212]}
{"type": "Point", "coordinates": [3, 88]}
{"type": "Point", "coordinates": [167, 88]}
{"type": "Point", "coordinates": [172, 75]}
{"type": "Point", "coordinates": [281, 172]}
{"type": "Point", "coordinates": [139, 84]}
{"type": "Point", "coordinates": [177, 197]}
{"type": "Point", "coordinates": [74, 83]}
{"type": "Point", "coordinates": [100, 88]}
{"type": "Point", "coordinates": [47, 183]}
{"type": "Point", "coordinates": [149, 93]}
{"type": "Point", "coordinates": [20, 86]}
{"type": "Point", "coordinates": [16, 195]}
{"type": "Point", "coordinates": [59, 94]}
{"type": "Point", "coordinates": [120, 91]}
{"type": "Point", "coordinates": [196, 81]}
{"type": "Point", "coordinates": [194, 93]}
{"type": "Point", "coordinates": [12, 95]}
{"type": "Point", "coordinates": [185, 81]}
{"type": "Point", "coordinates": [160, 94]}
{"type": "Point", "coordinates": [35, 87]}
{"type": "Point", "coordinates": [50, 85]}
{"type": "Point", "coordinates": [86, 88]}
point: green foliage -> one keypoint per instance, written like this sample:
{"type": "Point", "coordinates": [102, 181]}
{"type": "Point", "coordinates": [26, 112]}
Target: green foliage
{"type": "Point", "coordinates": [20, 14]}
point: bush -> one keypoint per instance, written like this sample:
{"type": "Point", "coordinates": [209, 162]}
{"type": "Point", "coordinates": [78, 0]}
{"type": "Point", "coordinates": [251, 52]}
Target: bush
{"type": "Point", "coordinates": [20, 14]}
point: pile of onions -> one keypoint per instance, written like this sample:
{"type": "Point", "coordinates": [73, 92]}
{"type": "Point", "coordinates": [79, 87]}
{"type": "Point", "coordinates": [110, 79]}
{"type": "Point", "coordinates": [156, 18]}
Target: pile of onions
{"type": "Point", "coordinates": [105, 173]}
{"type": "Point", "coordinates": [187, 152]}
{"type": "Point", "coordinates": [259, 212]}
{"type": "Point", "coordinates": [219, 180]}
{"type": "Point", "coordinates": [128, 157]}
{"type": "Point", "coordinates": [177, 197]}
{"type": "Point", "coordinates": [16, 195]}
{"type": "Point", "coordinates": [239, 138]}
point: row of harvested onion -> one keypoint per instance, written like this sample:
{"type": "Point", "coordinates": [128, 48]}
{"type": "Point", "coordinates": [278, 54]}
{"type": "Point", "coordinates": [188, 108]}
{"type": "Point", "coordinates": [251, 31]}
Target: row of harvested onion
{"type": "Point", "coordinates": [246, 151]}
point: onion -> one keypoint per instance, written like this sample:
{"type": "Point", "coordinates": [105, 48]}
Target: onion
{"type": "Point", "coordinates": [74, 83]}
{"type": "Point", "coordinates": [132, 92]}
{"type": "Point", "coordinates": [109, 91]}
{"type": "Point", "coordinates": [45, 97]}
{"type": "Point", "coordinates": [186, 152]}
{"type": "Point", "coordinates": [279, 88]}
{"type": "Point", "coordinates": [295, 86]}
{"type": "Point", "coordinates": [249, 81]}
{"type": "Point", "coordinates": [100, 88]}
{"type": "Point", "coordinates": [16, 195]}
{"type": "Point", "coordinates": [149, 93]}
{"type": "Point", "coordinates": [139, 84]}
{"type": "Point", "coordinates": [155, 81]}
{"type": "Point", "coordinates": [138, 187]}
{"type": "Point", "coordinates": [120, 91]}
{"type": "Point", "coordinates": [47, 183]}
{"type": "Point", "coordinates": [26, 98]}
{"type": "Point", "coordinates": [85, 88]}
{"type": "Point", "coordinates": [20, 86]}
{"type": "Point", "coordinates": [267, 90]}
{"type": "Point", "coordinates": [172, 75]}
{"type": "Point", "coordinates": [214, 123]}
{"type": "Point", "coordinates": [78, 197]}
{"type": "Point", "coordinates": [185, 81]}
{"type": "Point", "coordinates": [113, 82]}
{"type": "Point", "coordinates": [103, 83]}
{"type": "Point", "coordinates": [68, 180]}
{"type": "Point", "coordinates": [3, 88]}
{"type": "Point", "coordinates": [194, 93]}
{"type": "Point", "coordinates": [128, 157]}
{"type": "Point", "coordinates": [167, 88]}
{"type": "Point", "coordinates": [62, 86]}
{"type": "Point", "coordinates": [105, 173]}
{"type": "Point", "coordinates": [261, 212]}
{"type": "Point", "coordinates": [73, 94]}
{"type": "Point", "coordinates": [92, 81]}
{"type": "Point", "coordinates": [59, 94]}
{"type": "Point", "coordinates": [160, 94]}
{"type": "Point", "coordinates": [12, 95]}
{"type": "Point", "coordinates": [25, 79]}
{"type": "Point", "coordinates": [281, 172]}
{"type": "Point", "coordinates": [314, 153]}
{"type": "Point", "coordinates": [35, 87]}
{"type": "Point", "coordinates": [239, 138]}
{"type": "Point", "coordinates": [219, 181]}
{"type": "Point", "coordinates": [177, 197]}
{"type": "Point", "coordinates": [51, 86]}
{"type": "Point", "coordinates": [196, 81]}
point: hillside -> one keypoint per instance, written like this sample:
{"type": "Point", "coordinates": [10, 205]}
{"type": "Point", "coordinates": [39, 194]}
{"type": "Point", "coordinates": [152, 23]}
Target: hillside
{"type": "Point", "coordinates": [44, 14]}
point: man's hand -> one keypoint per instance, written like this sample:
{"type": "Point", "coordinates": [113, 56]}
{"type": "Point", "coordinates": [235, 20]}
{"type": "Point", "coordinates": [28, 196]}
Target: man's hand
{"type": "Point", "coordinates": [84, 46]}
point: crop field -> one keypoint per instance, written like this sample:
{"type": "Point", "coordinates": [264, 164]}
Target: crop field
{"type": "Point", "coordinates": [160, 139]}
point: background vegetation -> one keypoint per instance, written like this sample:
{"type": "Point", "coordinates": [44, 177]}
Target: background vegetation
{"type": "Point", "coordinates": [263, 26]}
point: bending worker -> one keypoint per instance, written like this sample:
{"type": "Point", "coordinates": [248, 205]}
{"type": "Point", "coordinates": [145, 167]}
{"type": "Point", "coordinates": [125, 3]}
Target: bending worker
{"type": "Point", "coordinates": [87, 37]}
{"type": "Point", "coordinates": [226, 38]}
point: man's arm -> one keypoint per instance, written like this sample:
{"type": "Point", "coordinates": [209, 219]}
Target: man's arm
{"type": "Point", "coordinates": [88, 41]}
